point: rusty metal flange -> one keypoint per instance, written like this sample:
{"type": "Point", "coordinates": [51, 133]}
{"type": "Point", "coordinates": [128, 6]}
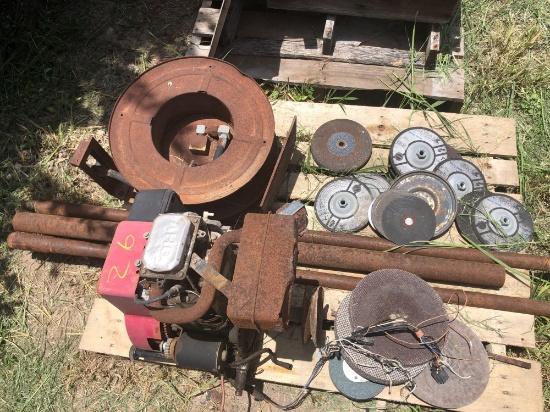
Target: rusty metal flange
{"type": "Point", "coordinates": [154, 141]}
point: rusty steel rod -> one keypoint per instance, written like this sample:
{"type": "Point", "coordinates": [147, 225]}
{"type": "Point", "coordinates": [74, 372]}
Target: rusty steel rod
{"type": "Point", "coordinates": [454, 296]}
{"type": "Point", "coordinates": [54, 207]}
{"type": "Point", "coordinates": [515, 260]}
{"type": "Point", "coordinates": [428, 268]}
{"type": "Point", "coordinates": [51, 244]}
{"type": "Point", "coordinates": [72, 227]}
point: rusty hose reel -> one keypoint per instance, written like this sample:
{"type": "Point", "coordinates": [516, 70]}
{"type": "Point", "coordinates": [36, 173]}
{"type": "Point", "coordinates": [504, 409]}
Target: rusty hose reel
{"type": "Point", "coordinates": [154, 140]}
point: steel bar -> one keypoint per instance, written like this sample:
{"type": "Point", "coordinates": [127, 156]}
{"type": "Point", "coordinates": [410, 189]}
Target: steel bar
{"type": "Point", "coordinates": [54, 207]}
{"type": "Point", "coordinates": [62, 226]}
{"type": "Point", "coordinates": [453, 296]}
{"type": "Point", "coordinates": [428, 268]}
{"type": "Point", "coordinates": [516, 260]}
{"type": "Point", "coordinates": [51, 244]}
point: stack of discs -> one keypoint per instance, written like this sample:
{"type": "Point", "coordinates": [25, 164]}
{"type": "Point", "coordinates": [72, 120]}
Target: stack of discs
{"type": "Point", "coordinates": [397, 357]}
{"type": "Point", "coordinates": [496, 220]}
{"type": "Point", "coordinates": [342, 205]}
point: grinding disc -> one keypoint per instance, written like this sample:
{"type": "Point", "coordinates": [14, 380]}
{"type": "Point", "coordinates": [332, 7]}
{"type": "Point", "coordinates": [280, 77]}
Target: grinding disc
{"type": "Point", "coordinates": [436, 192]}
{"type": "Point", "coordinates": [464, 214]}
{"type": "Point", "coordinates": [374, 182]}
{"type": "Point", "coordinates": [312, 316]}
{"type": "Point", "coordinates": [402, 217]}
{"type": "Point", "coordinates": [342, 205]}
{"type": "Point", "coordinates": [502, 221]}
{"type": "Point", "coordinates": [341, 146]}
{"type": "Point", "coordinates": [364, 365]}
{"type": "Point", "coordinates": [417, 148]}
{"type": "Point", "coordinates": [463, 176]}
{"type": "Point", "coordinates": [467, 357]}
{"type": "Point", "coordinates": [452, 153]}
{"type": "Point", "coordinates": [389, 293]}
{"type": "Point", "coordinates": [350, 383]}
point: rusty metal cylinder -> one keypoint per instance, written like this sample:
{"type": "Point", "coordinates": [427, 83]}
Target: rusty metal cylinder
{"type": "Point", "coordinates": [71, 227]}
{"type": "Point", "coordinates": [454, 296]}
{"type": "Point", "coordinates": [54, 207]}
{"type": "Point", "coordinates": [515, 260]}
{"type": "Point", "coordinates": [51, 244]}
{"type": "Point", "coordinates": [428, 268]}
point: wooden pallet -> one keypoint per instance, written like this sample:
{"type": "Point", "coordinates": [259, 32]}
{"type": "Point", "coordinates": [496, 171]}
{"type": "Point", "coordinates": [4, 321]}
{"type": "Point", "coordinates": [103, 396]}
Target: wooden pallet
{"type": "Point", "coordinates": [510, 387]}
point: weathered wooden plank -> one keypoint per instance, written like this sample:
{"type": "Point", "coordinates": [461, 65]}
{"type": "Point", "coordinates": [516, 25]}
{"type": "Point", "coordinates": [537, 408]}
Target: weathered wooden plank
{"type": "Point", "coordinates": [205, 44]}
{"type": "Point", "coordinates": [430, 11]}
{"type": "Point", "coordinates": [509, 388]}
{"type": "Point", "coordinates": [482, 135]}
{"type": "Point", "coordinates": [432, 47]}
{"type": "Point", "coordinates": [328, 34]}
{"type": "Point", "coordinates": [349, 76]}
{"type": "Point", "coordinates": [344, 51]}
{"type": "Point", "coordinates": [206, 22]}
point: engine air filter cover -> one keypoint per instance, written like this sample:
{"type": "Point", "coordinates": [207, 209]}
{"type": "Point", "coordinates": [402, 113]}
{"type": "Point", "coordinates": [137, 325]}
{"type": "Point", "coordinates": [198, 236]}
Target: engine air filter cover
{"type": "Point", "coordinates": [342, 205]}
{"type": "Point", "coordinates": [503, 221]}
{"type": "Point", "coordinates": [364, 365]}
{"type": "Point", "coordinates": [391, 293]}
{"type": "Point", "coordinates": [467, 356]}
{"type": "Point", "coordinates": [341, 145]}
{"type": "Point", "coordinates": [417, 148]}
{"type": "Point", "coordinates": [402, 217]}
{"type": "Point", "coordinates": [463, 176]}
{"type": "Point", "coordinates": [350, 383]}
{"type": "Point", "coordinates": [436, 192]}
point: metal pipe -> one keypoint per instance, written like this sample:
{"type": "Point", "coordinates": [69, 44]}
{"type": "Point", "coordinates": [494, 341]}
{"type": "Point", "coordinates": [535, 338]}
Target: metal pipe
{"type": "Point", "coordinates": [54, 207]}
{"type": "Point", "coordinates": [428, 268]}
{"type": "Point", "coordinates": [454, 296]}
{"type": "Point", "coordinates": [515, 260]}
{"type": "Point", "coordinates": [51, 244]}
{"type": "Point", "coordinates": [204, 302]}
{"type": "Point", "coordinates": [62, 226]}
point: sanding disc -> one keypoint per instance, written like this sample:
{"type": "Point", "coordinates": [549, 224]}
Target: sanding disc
{"type": "Point", "coordinates": [417, 148]}
{"type": "Point", "coordinates": [502, 221]}
{"type": "Point", "coordinates": [463, 176]}
{"type": "Point", "coordinates": [342, 205]}
{"type": "Point", "coordinates": [341, 146]}
{"type": "Point", "coordinates": [390, 293]}
{"type": "Point", "coordinates": [467, 357]}
{"type": "Point", "coordinates": [366, 366]}
{"type": "Point", "coordinates": [402, 217]}
{"type": "Point", "coordinates": [436, 192]}
{"type": "Point", "coordinates": [464, 214]}
{"type": "Point", "coordinates": [350, 383]}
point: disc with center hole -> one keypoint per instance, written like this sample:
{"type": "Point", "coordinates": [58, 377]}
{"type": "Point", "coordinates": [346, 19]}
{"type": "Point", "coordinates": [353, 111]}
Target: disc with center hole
{"type": "Point", "coordinates": [341, 145]}
{"type": "Point", "coordinates": [312, 316]}
{"type": "Point", "coordinates": [350, 383]}
{"type": "Point", "coordinates": [452, 153]}
{"type": "Point", "coordinates": [376, 183]}
{"type": "Point", "coordinates": [467, 357]}
{"type": "Point", "coordinates": [366, 366]}
{"type": "Point", "coordinates": [342, 205]}
{"type": "Point", "coordinates": [417, 148]}
{"type": "Point", "coordinates": [390, 294]}
{"type": "Point", "coordinates": [464, 214]}
{"type": "Point", "coordinates": [436, 192]}
{"type": "Point", "coordinates": [402, 217]}
{"type": "Point", "coordinates": [463, 176]}
{"type": "Point", "coordinates": [502, 221]}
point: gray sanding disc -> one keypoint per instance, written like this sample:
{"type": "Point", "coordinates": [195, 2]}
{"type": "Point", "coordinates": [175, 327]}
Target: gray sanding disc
{"type": "Point", "coordinates": [364, 365]}
{"type": "Point", "coordinates": [389, 293]}
{"type": "Point", "coordinates": [350, 383]}
{"type": "Point", "coordinates": [467, 357]}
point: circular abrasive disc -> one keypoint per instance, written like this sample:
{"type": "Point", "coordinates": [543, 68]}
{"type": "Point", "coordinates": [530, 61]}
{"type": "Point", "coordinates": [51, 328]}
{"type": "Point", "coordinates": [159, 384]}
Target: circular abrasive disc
{"type": "Point", "coordinates": [342, 205]}
{"type": "Point", "coordinates": [364, 365]}
{"type": "Point", "coordinates": [350, 383]}
{"type": "Point", "coordinates": [467, 357]}
{"type": "Point", "coordinates": [463, 176]}
{"type": "Point", "coordinates": [417, 148]}
{"type": "Point", "coordinates": [502, 221]}
{"type": "Point", "coordinates": [464, 214]}
{"type": "Point", "coordinates": [402, 217]}
{"type": "Point", "coordinates": [376, 183]}
{"type": "Point", "coordinates": [341, 146]}
{"type": "Point", "coordinates": [452, 153]}
{"type": "Point", "coordinates": [436, 192]}
{"type": "Point", "coordinates": [391, 293]}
